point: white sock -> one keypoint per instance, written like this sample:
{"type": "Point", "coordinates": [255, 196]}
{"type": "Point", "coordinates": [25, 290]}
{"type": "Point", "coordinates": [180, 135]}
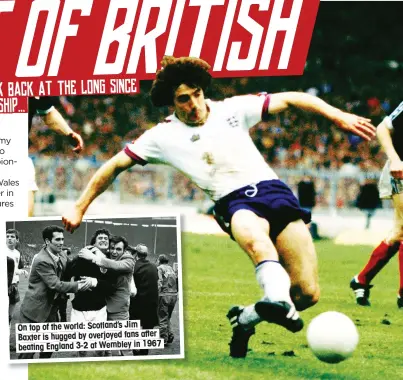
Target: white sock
{"type": "Point", "coordinates": [274, 280]}
{"type": "Point", "coordinates": [276, 283]}
{"type": "Point", "coordinates": [249, 318]}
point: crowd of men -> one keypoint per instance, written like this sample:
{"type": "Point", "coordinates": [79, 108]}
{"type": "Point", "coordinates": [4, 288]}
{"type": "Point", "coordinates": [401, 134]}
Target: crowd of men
{"type": "Point", "coordinates": [111, 281]}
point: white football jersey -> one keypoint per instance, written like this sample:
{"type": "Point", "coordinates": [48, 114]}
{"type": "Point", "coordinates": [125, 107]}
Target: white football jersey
{"type": "Point", "coordinates": [218, 156]}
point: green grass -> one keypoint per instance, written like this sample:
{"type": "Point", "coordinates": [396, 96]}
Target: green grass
{"type": "Point", "coordinates": [216, 275]}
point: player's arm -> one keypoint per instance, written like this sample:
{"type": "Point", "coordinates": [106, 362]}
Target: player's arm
{"type": "Point", "coordinates": [101, 180]}
{"type": "Point", "coordinates": [383, 133]}
{"type": "Point", "coordinates": [56, 122]}
{"type": "Point", "coordinates": [52, 281]}
{"type": "Point", "coordinates": [125, 265]}
{"type": "Point", "coordinates": [20, 270]}
{"type": "Point", "coordinates": [346, 121]}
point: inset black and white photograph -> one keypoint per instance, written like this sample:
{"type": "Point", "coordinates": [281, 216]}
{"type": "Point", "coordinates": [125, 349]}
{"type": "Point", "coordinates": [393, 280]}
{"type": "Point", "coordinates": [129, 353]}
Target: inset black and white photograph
{"type": "Point", "coordinates": [111, 290]}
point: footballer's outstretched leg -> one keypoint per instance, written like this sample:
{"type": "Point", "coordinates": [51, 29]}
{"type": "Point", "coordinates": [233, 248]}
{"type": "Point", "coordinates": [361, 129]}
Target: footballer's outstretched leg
{"type": "Point", "coordinates": [298, 256]}
{"type": "Point", "coordinates": [380, 256]}
{"type": "Point", "coordinates": [240, 333]}
{"type": "Point", "coordinates": [361, 291]}
{"type": "Point", "coordinates": [252, 234]}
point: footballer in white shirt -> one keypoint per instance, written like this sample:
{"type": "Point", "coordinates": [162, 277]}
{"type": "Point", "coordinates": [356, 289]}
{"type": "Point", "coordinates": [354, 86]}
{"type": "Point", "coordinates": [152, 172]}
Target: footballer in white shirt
{"type": "Point", "coordinates": [209, 142]}
{"type": "Point", "coordinates": [12, 239]}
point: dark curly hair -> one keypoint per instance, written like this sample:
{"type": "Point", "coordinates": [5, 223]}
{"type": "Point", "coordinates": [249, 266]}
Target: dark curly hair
{"type": "Point", "coordinates": [193, 72]}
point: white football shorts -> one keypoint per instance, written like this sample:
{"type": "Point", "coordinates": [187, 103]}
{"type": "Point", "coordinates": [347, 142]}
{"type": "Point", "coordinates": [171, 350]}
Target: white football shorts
{"type": "Point", "coordinates": [88, 316]}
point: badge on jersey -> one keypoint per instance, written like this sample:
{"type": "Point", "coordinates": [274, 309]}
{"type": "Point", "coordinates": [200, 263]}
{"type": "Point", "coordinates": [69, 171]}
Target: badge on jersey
{"type": "Point", "coordinates": [233, 122]}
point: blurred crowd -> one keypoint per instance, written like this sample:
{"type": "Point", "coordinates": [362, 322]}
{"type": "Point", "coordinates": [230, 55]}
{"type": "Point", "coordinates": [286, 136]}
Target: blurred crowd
{"type": "Point", "coordinates": [294, 139]}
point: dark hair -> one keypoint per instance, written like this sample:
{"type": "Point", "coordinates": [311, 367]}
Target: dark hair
{"type": "Point", "coordinates": [101, 231]}
{"type": "Point", "coordinates": [13, 231]}
{"type": "Point", "coordinates": [193, 72]}
{"type": "Point", "coordinates": [47, 233]}
{"type": "Point", "coordinates": [117, 239]}
{"type": "Point", "coordinates": [131, 249]}
{"type": "Point", "coordinates": [163, 259]}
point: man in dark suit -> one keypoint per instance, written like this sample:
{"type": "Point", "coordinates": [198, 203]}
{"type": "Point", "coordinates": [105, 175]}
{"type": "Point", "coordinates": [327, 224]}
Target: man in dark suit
{"type": "Point", "coordinates": [40, 303]}
{"type": "Point", "coordinates": [144, 306]}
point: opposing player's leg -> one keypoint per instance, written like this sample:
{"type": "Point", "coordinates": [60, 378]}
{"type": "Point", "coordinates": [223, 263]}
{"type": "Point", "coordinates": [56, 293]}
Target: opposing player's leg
{"type": "Point", "coordinates": [252, 234]}
{"type": "Point", "coordinates": [298, 256]}
{"type": "Point", "coordinates": [398, 235]}
{"type": "Point", "coordinates": [380, 256]}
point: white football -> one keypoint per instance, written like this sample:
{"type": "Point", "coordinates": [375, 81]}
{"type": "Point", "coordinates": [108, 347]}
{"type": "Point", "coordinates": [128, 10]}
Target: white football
{"type": "Point", "coordinates": [332, 336]}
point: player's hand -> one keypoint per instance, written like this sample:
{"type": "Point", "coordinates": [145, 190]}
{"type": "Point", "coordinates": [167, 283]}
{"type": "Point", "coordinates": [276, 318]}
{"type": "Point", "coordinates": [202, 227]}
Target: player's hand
{"type": "Point", "coordinates": [97, 254]}
{"type": "Point", "coordinates": [94, 281]}
{"type": "Point", "coordinates": [76, 141]}
{"type": "Point", "coordinates": [84, 284]}
{"type": "Point", "coordinates": [72, 219]}
{"type": "Point", "coordinates": [358, 125]}
{"type": "Point", "coordinates": [95, 250]}
{"type": "Point", "coordinates": [86, 254]}
{"type": "Point", "coordinates": [396, 169]}
{"type": "Point", "coordinates": [24, 272]}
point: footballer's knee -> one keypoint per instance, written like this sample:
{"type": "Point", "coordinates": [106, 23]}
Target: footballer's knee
{"type": "Point", "coordinates": [305, 296]}
{"type": "Point", "coordinates": [397, 236]}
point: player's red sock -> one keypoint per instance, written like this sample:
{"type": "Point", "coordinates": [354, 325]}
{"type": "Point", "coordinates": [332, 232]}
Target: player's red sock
{"type": "Point", "coordinates": [379, 258]}
{"type": "Point", "coordinates": [401, 269]}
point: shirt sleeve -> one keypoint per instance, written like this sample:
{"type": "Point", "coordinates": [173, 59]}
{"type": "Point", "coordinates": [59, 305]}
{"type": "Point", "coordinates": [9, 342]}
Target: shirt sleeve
{"type": "Point", "coordinates": [42, 105]}
{"type": "Point", "coordinates": [125, 265]}
{"type": "Point", "coordinates": [395, 119]}
{"type": "Point", "coordinates": [251, 109]}
{"type": "Point", "coordinates": [146, 148]}
{"type": "Point", "coordinates": [52, 281]}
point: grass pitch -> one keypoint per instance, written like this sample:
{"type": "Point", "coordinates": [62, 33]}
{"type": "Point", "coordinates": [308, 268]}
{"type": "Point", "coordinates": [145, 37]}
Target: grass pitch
{"type": "Point", "coordinates": [218, 274]}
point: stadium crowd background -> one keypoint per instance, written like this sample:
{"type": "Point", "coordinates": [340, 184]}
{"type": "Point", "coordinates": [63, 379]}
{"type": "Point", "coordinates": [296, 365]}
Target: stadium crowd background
{"type": "Point", "coordinates": [350, 67]}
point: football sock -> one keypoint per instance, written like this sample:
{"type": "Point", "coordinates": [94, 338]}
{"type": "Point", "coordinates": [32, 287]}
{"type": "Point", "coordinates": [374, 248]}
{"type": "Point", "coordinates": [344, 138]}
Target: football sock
{"type": "Point", "coordinates": [274, 280]}
{"type": "Point", "coordinates": [378, 259]}
{"type": "Point", "coordinates": [249, 318]}
{"type": "Point", "coordinates": [401, 269]}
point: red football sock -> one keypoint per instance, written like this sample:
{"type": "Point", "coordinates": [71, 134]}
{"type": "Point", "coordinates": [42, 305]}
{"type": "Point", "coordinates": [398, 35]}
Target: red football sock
{"type": "Point", "coordinates": [401, 269]}
{"type": "Point", "coordinates": [379, 258]}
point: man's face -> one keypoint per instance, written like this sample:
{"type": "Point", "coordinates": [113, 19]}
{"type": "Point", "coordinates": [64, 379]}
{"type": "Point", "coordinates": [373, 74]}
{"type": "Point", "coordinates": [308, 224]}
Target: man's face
{"type": "Point", "coordinates": [56, 244]}
{"type": "Point", "coordinates": [11, 240]}
{"type": "Point", "coordinates": [190, 106]}
{"type": "Point", "coordinates": [116, 250]}
{"type": "Point", "coordinates": [102, 242]}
